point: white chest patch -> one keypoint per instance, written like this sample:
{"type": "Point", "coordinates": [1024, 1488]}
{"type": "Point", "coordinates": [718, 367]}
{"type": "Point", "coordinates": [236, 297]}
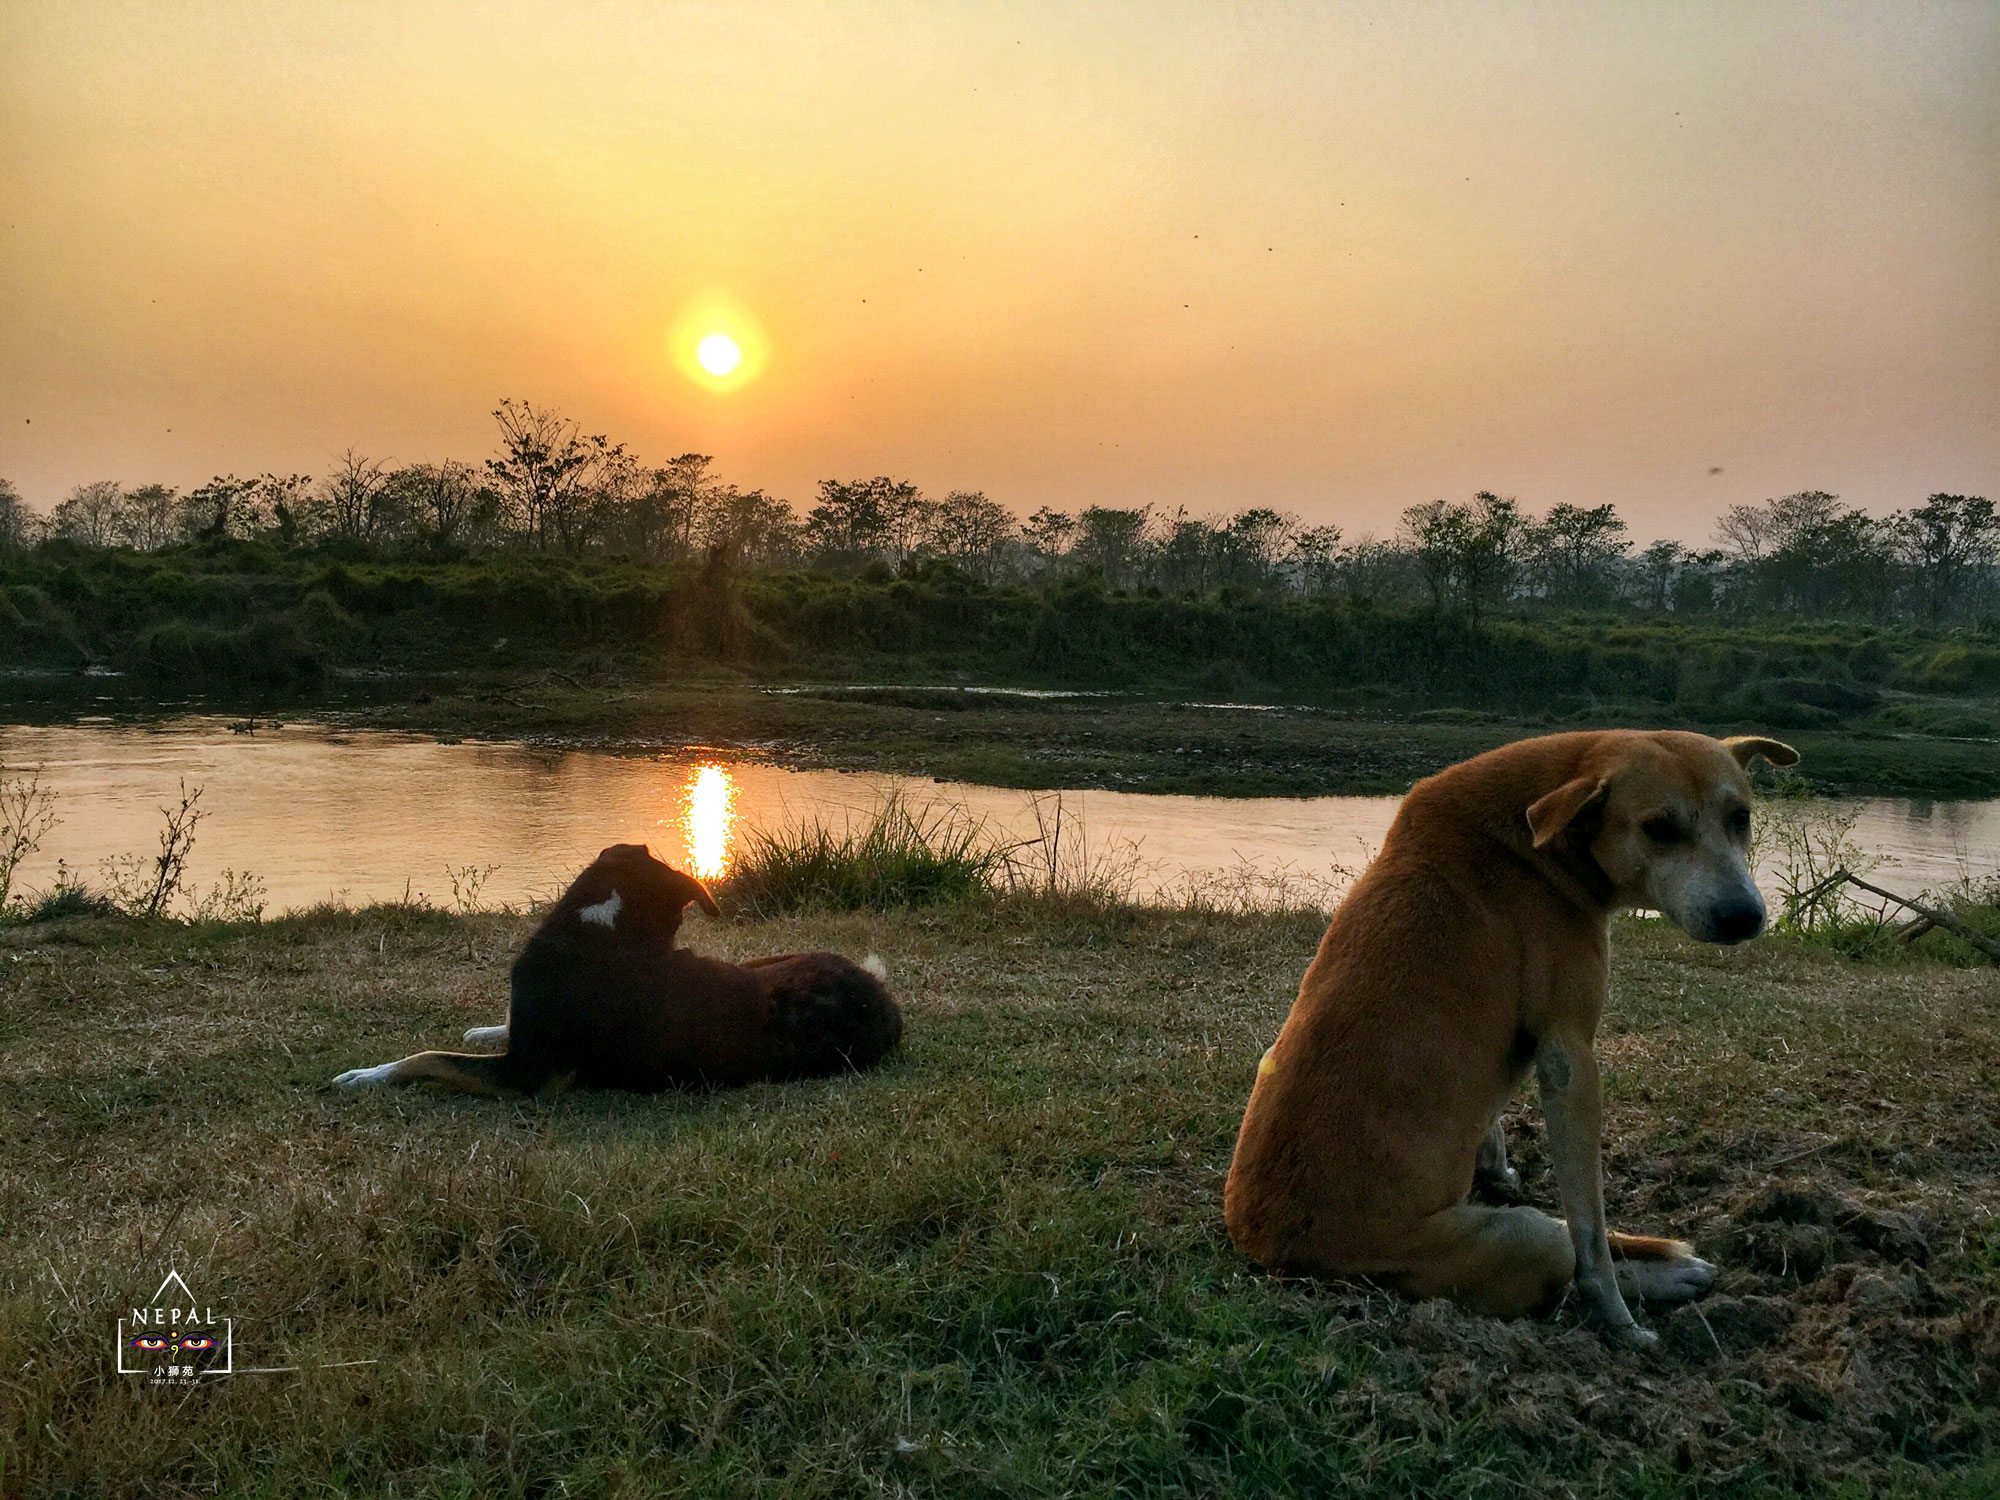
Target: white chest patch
{"type": "Point", "coordinates": [605, 913]}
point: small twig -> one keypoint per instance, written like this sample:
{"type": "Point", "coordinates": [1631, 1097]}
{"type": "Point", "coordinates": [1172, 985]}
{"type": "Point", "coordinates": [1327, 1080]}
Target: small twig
{"type": "Point", "coordinates": [1771, 1166]}
{"type": "Point", "coordinates": [1807, 899]}
{"type": "Point", "coordinates": [1945, 920]}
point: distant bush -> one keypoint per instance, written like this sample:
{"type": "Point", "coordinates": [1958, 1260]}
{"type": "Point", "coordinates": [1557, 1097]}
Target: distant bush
{"type": "Point", "coordinates": [902, 855]}
{"type": "Point", "coordinates": [1957, 668]}
{"type": "Point", "coordinates": [269, 653]}
{"type": "Point", "coordinates": [66, 901]}
{"type": "Point", "coordinates": [34, 631]}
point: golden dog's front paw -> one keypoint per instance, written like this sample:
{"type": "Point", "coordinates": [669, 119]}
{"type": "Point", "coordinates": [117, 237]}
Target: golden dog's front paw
{"type": "Point", "coordinates": [1631, 1336]}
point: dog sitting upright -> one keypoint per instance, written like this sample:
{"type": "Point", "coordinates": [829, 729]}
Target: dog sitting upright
{"type": "Point", "coordinates": [602, 998]}
{"type": "Point", "coordinates": [1474, 948]}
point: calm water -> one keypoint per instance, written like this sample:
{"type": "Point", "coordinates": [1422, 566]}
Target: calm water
{"type": "Point", "coordinates": [363, 816]}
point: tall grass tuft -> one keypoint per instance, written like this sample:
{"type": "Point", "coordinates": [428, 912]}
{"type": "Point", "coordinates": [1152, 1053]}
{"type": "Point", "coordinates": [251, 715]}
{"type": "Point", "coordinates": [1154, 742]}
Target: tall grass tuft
{"type": "Point", "coordinates": [904, 854]}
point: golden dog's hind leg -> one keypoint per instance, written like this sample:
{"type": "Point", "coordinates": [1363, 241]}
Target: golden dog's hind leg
{"type": "Point", "coordinates": [461, 1072]}
{"type": "Point", "coordinates": [1502, 1262]}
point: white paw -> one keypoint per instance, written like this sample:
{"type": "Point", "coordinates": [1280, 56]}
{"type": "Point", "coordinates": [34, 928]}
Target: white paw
{"type": "Point", "coordinates": [1679, 1280]}
{"type": "Point", "coordinates": [365, 1078]}
{"type": "Point", "coordinates": [487, 1036]}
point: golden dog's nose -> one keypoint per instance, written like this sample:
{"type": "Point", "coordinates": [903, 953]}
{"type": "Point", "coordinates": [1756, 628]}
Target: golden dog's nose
{"type": "Point", "coordinates": [1735, 924]}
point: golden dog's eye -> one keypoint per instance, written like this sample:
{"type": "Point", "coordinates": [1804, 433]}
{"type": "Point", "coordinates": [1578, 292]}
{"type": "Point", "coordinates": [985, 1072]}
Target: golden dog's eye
{"type": "Point", "coordinates": [1739, 820]}
{"type": "Point", "coordinates": [1661, 830]}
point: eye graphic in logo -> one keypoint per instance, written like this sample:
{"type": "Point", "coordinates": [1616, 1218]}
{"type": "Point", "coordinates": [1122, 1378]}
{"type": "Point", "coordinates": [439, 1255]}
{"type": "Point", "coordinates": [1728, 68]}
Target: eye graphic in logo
{"type": "Point", "coordinates": [176, 1341]}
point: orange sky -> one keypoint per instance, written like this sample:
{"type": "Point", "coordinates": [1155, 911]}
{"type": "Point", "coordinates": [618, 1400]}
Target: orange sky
{"type": "Point", "coordinates": [1334, 259]}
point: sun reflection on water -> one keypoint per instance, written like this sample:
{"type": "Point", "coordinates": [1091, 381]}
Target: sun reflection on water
{"type": "Point", "coordinates": [707, 821]}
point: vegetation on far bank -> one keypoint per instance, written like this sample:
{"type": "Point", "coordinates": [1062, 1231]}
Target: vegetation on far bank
{"type": "Point", "coordinates": [602, 650]}
{"type": "Point", "coordinates": [565, 563]}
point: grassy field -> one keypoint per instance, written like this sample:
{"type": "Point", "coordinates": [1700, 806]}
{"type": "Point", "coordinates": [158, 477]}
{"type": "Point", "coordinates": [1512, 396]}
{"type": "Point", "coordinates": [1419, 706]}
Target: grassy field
{"type": "Point", "coordinates": [996, 1267]}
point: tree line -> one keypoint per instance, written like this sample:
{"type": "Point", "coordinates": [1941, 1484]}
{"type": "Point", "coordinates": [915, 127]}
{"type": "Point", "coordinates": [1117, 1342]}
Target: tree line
{"type": "Point", "coordinates": [551, 487]}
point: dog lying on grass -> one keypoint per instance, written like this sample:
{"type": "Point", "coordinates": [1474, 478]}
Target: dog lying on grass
{"type": "Point", "coordinates": [602, 998]}
{"type": "Point", "coordinates": [1475, 947]}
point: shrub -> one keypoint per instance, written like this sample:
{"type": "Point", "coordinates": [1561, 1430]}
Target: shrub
{"type": "Point", "coordinates": [271, 653]}
{"type": "Point", "coordinates": [1958, 668]}
{"type": "Point", "coordinates": [903, 855]}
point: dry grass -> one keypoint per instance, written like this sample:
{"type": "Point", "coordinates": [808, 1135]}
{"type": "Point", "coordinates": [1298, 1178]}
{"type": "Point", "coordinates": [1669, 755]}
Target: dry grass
{"type": "Point", "coordinates": [995, 1267]}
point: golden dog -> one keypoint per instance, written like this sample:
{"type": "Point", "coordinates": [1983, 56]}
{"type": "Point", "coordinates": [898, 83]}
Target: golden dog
{"type": "Point", "coordinates": [1475, 947]}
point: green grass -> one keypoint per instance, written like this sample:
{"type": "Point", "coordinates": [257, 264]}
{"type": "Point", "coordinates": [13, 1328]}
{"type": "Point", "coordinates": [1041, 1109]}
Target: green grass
{"type": "Point", "coordinates": [901, 854]}
{"type": "Point", "coordinates": [995, 1267]}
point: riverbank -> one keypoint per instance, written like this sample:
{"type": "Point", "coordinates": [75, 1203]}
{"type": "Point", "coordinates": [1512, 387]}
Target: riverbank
{"type": "Point", "coordinates": [1029, 740]}
{"type": "Point", "coordinates": [994, 1267]}
{"type": "Point", "coordinates": [1227, 694]}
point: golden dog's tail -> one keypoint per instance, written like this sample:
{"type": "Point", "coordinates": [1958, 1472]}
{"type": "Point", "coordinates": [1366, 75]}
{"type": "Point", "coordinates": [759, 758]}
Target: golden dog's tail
{"type": "Point", "coordinates": [1647, 1247]}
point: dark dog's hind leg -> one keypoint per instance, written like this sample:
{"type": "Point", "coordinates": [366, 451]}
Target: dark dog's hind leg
{"type": "Point", "coordinates": [499, 1077]}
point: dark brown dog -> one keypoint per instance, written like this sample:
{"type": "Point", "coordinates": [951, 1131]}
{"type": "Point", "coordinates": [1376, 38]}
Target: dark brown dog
{"type": "Point", "coordinates": [601, 997]}
{"type": "Point", "coordinates": [1474, 948]}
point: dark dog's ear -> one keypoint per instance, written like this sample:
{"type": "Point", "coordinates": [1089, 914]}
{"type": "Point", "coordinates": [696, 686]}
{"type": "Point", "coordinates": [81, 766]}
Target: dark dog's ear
{"type": "Point", "coordinates": [1552, 814]}
{"type": "Point", "coordinates": [687, 889]}
{"type": "Point", "coordinates": [1746, 747]}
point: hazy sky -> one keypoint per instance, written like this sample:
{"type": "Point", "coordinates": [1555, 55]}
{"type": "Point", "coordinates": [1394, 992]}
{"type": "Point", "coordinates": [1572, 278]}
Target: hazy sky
{"type": "Point", "coordinates": [1337, 259]}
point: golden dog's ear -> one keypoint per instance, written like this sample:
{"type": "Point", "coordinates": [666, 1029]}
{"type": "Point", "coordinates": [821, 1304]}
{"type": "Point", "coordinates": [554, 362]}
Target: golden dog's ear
{"type": "Point", "coordinates": [1562, 807]}
{"type": "Point", "coordinates": [1747, 746]}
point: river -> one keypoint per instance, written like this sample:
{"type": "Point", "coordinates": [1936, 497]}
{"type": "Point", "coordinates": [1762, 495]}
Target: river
{"type": "Point", "coordinates": [318, 814]}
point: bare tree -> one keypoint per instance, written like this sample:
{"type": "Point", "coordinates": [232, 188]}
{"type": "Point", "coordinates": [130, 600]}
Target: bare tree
{"type": "Point", "coordinates": [352, 498]}
{"type": "Point", "coordinates": [1049, 534]}
{"type": "Point", "coordinates": [17, 522]}
{"type": "Point", "coordinates": [1744, 532]}
{"type": "Point", "coordinates": [146, 520]}
{"type": "Point", "coordinates": [443, 500]}
{"type": "Point", "coordinates": [1111, 540]}
{"type": "Point", "coordinates": [968, 530]}
{"type": "Point", "coordinates": [89, 514]}
{"type": "Point", "coordinates": [548, 473]}
{"type": "Point", "coordinates": [1946, 543]}
{"type": "Point", "coordinates": [1314, 559]}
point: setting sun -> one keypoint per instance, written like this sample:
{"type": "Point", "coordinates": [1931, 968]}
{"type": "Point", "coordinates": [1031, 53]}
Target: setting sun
{"type": "Point", "coordinates": [718, 354]}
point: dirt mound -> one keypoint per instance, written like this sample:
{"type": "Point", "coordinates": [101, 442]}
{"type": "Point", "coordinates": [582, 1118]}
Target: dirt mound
{"type": "Point", "coordinates": [1826, 1351]}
